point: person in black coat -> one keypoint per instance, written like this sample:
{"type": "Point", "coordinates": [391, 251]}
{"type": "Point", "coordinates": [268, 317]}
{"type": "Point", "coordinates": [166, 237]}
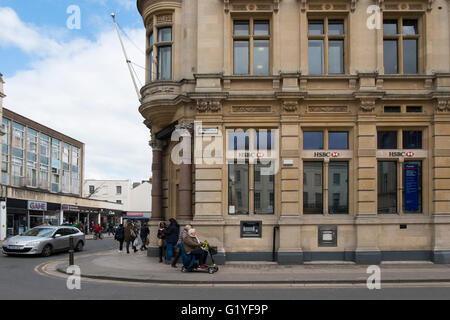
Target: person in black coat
{"type": "Point", "coordinates": [144, 234]}
{"type": "Point", "coordinates": [120, 236]}
{"type": "Point", "coordinates": [172, 233]}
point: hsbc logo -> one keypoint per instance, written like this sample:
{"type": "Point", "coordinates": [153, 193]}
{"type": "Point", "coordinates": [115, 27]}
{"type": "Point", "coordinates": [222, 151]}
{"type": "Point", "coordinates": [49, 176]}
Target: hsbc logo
{"type": "Point", "coordinates": [408, 154]}
{"type": "Point", "coordinates": [327, 154]}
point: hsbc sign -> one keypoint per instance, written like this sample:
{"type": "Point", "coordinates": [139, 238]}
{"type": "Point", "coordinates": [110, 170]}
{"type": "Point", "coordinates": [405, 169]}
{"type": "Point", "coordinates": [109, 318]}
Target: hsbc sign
{"type": "Point", "coordinates": [37, 206]}
{"type": "Point", "coordinates": [327, 154]}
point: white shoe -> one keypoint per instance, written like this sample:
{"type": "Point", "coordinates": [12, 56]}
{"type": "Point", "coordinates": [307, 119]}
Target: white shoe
{"type": "Point", "coordinates": [120, 251]}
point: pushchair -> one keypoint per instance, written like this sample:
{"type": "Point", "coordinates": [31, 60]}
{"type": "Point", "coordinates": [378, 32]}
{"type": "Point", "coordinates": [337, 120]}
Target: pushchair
{"type": "Point", "coordinates": [190, 263]}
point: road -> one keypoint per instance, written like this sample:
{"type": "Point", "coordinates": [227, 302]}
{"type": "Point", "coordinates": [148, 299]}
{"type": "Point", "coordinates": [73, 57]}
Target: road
{"type": "Point", "coordinates": [19, 280]}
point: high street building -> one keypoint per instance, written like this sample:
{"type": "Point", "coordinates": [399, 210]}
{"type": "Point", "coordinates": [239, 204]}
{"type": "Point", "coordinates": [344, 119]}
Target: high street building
{"type": "Point", "coordinates": [135, 197]}
{"type": "Point", "coordinates": [348, 101]}
{"type": "Point", "coordinates": [41, 176]}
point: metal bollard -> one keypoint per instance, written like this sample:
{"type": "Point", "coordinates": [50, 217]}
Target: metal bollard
{"type": "Point", "coordinates": [71, 251]}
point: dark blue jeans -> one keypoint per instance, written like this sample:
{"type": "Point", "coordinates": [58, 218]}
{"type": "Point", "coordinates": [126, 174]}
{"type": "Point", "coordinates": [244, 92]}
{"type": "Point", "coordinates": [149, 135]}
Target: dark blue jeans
{"type": "Point", "coordinates": [201, 255]}
{"type": "Point", "coordinates": [169, 250]}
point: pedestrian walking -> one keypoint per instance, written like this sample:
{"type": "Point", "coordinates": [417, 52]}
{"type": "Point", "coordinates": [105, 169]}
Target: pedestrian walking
{"type": "Point", "coordinates": [172, 233]}
{"type": "Point", "coordinates": [110, 229]}
{"type": "Point", "coordinates": [161, 239]}
{"type": "Point", "coordinates": [183, 234]}
{"type": "Point", "coordinates": [144, 234]}
{"type": "Point", "coordinates": [130, 236]}
{"type": "Point", "coordinates": [120, 236]}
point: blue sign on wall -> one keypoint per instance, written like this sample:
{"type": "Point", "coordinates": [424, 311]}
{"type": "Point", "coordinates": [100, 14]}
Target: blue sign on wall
{"type": "Point", "coordinates": [411, 187]}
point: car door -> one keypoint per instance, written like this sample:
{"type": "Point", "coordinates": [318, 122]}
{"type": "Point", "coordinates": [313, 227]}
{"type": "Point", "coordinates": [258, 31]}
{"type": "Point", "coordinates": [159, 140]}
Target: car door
{"type": "Point", "coordinates": [59, 239]}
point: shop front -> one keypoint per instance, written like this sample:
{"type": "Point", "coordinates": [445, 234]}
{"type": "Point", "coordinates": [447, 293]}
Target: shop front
{"type": "Point", "coordinates": [74, 214]}
{"type": "Point", "coordinates": [108, 217]}
{"type": "Point", "coordinates": [25, 214]}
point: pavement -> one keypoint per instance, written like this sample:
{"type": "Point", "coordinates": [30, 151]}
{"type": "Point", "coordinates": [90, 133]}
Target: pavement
{"type": "Point", "coordinates": [138, 267]}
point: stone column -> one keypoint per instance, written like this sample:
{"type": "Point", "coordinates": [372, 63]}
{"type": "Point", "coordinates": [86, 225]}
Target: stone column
{"type": "Point", "coordinates": [157, 147]}
{"type": "Point", "coordinates": [184, 210]}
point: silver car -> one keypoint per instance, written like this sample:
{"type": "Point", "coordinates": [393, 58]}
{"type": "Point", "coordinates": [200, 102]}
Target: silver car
{"type": "Point", "coordinates": [44, 240]}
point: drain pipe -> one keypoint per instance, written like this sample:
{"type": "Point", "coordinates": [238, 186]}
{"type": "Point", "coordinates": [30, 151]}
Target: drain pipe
{"type": "Point", "coordinates": [275, 228]}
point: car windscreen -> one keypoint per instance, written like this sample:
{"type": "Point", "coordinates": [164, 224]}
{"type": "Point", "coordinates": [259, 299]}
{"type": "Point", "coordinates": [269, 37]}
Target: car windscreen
{"type": "Point", "coordinates": [39, 232]}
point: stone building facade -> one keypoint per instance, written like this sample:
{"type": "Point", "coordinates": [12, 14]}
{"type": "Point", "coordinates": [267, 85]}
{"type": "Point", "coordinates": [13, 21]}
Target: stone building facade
{"type": "Point", "coordinates": [351, 100]}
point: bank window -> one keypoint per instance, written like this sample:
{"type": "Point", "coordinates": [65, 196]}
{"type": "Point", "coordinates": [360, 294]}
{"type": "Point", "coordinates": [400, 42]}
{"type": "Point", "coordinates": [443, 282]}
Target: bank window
{"type": "Point", "coordinates": [338, 140]}
{"type": "Point", "coordinates": [395, 109]}
{"type": "Point", "coordinates": [264, 188]}
{"type": "Point", "coordinates": [413, 109]}
{"type": "Point", "coordinates": [251, 47]}
{"type": "Point", "coordinates": [164, 53]}
{"type": "Point", "coordinates": [387, 187]}
{"type": "Point", "coordinates": [401, 45]}
{"type": "Point", "coordinates": [313, 140]}
{"type": "Point", "coordinates": [387, 139]}
{"type": "Point", "coordinates": [338, 188]}
{"type": "Point", "coordinates": [313, 174]}
{"type": "Point", "coordinates": [412, 139]}
{"type": "Point", "coordinates": [238, 140]}
{"type": "Point", "coordinates": [326, 46]}
{"type": "Point", "coordinates": [238, 189]}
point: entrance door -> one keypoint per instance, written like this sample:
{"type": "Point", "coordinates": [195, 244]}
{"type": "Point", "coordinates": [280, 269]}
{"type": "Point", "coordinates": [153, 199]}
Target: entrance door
{"type": "Point", "coordinates": [16, 224]}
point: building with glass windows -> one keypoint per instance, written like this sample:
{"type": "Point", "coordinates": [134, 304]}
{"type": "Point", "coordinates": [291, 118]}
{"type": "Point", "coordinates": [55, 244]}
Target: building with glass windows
{"type": "Point", "coordinates": [302, 130]}
{"type": "Point", "coordinates": [41, 178]}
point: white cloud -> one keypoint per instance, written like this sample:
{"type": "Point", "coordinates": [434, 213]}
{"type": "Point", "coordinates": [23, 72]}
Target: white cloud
{"type": "Point", "coordinates": [16, 33]}
{"type": "Point", "coordinates": [83, 89]}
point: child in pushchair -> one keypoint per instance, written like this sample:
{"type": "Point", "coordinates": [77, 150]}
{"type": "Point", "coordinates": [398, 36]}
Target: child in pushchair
{"type": "Point", "coordinates": [191, 263]}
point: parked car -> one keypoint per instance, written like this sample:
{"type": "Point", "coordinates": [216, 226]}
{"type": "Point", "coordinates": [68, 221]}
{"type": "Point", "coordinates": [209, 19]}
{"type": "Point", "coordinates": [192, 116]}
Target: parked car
{"type": "Point", "coordinates": [44, 240]}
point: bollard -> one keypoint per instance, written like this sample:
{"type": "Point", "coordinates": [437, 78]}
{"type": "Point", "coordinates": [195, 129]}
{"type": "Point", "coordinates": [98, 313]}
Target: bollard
{"type": "Point", "coordinates": [71, 250]}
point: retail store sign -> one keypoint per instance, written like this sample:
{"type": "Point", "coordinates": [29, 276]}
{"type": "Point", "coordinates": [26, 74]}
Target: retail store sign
{"type": "Point", "coordinates": [328, 154]}
{"type": "Point", "coordinates": [37, 206]}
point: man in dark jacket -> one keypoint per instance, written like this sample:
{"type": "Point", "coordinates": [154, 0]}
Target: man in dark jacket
{"type": "Point", "coordinates": [120, 236]}
{"type": "Point", "coordinates": [144, 234]}
{"type": "Point", "coordinates": [172, 233]}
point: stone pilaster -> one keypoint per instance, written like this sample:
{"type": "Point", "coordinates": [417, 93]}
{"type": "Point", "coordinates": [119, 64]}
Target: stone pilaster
{"type": "Point", "coordinates": [441, 181]}
{"type": "Point", "coordinates": [367, 251]}
{"type": "Point", "coordinates": [184, 210]}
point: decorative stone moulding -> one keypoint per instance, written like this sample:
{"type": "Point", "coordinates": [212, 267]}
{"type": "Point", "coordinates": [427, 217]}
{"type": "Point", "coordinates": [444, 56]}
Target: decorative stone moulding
{"type": "Point", "coordinates": [213, 106]}
{"type": "Point", "coordinates": [269, 5]}
{"type": "Point", "coordinates": [405, 5]}
{"type": "Point", "coordinates": [251, 109]}
{"type": "Point", "coordinates": [290, 106]}
{"type": "Point", "coordinates": [443, 105]}
{"type": "Point", "coordinates": [368, 104]}
{"type": "Point", "coordinates": [327, 109]}
{"type": "Point", "coordinates": [327, 6]}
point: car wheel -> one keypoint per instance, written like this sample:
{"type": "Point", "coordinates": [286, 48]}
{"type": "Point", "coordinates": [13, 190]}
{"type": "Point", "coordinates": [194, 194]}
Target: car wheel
{"type": "Point", "coordinates": [79, 246]}
{"type": "Point", "coordinates": [47, 251]}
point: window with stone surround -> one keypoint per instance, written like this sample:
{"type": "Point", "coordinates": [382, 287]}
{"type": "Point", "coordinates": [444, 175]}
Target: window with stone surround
{"type": "Point", "coordinates": [401, 45]}
{"type": "Point", "coordinates": [251, 46]}
{"type": "Point", "coordinates": [327, 43]}
{"type": "Point", "coordinates": [160, 42]}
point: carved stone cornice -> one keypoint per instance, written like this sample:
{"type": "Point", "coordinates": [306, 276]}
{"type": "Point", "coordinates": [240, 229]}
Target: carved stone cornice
{"type": "Point", "coordinates": [304, 4]}
{"type": "Point", "coordinates": [368, 100]}
{"type": "Point", "coordinates": [256, 6]}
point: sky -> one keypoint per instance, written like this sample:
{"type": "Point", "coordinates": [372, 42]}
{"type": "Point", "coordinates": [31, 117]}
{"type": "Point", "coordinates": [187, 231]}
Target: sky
{"type": "Point", "coordinates": [63, 67]}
